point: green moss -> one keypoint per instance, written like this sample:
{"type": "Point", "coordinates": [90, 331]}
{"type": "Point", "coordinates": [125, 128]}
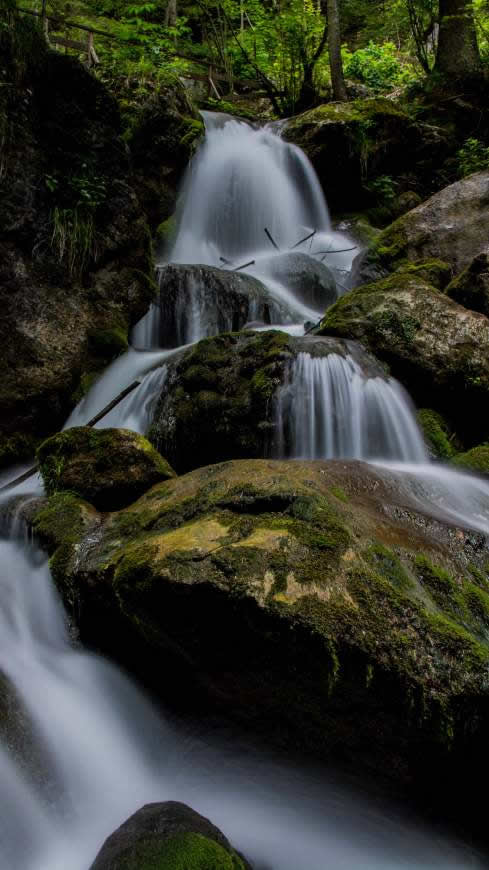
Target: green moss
{"type": "Point", "coordinates": [60, 525]}
{"type": "Point", "coordinates": [386, 563]}
{"type": "Point", "coordinates": [436, 433]}
{"type": "Point", "coordinates": [186, 851]}
{"type": "Point", "coordinates": [108, 343]}
{"type": "Point", "coordinates": [476, 459]}
{"type": "Point", "coordinates": [339, 493]}
{"type": "Point", "coordinates": [166, 230]}
{"type": "Point", "coordinates": [193, 130]}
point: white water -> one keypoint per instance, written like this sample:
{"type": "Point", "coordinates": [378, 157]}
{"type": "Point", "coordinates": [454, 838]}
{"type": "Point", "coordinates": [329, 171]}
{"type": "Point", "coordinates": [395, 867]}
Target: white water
{"type": "Point", "coordinates": [96, 751]}
{"type": "Point", "coordinates": [329, 409]}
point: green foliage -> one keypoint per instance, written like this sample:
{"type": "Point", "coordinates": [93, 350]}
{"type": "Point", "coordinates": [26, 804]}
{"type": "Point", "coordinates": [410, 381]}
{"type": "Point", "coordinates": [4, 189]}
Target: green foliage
{"type": "Point", "coordinates": [378, 66]}
{"type": "Point", "coordinates": [472, 157]}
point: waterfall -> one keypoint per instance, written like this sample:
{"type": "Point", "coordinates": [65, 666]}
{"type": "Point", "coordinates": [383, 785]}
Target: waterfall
{"type": "Point", "coordinates": [244, 179]}
{"type": "Point", "coordinates": [330, 409]}
{"type": "Point", "coordinates": [90, 749]}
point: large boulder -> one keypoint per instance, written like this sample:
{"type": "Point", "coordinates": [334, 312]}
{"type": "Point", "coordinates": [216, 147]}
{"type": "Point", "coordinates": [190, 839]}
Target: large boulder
{"type": "Point", "coordinates": [76, 267]}
{"type": "Point", "coordinates": [168, 836]}
{"type": "Point", "coordinates": [471, 287]}
{"type": "Point", "coordinates": [107, 467]}
{"type": "Point", "coordinates": [202, 301]}
{"type": "Point", "coordinates": [316, 603]}
{"type": "Point", "coordinates": [436, 348]}
{"type": "Point", "coordinates": [352, 144]}
{"type": "Point", "coordinates": [451, 226]}
{"type": "Point", "coordinates": [218, 401]}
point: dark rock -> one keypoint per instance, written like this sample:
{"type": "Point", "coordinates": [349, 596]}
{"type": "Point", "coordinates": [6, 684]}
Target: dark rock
{"type": "Point", "coordinates": [471, 287]}
{"type": "Point", "coordinates": [219, 299]}
{"type": "Point", "coordinates": [352, 144]}
{"type": "Point", "coordinates": [300, 599]}
{"type": "Point", "coordinates": [107, 467]}
{"type": "Point", "coordinates": [162, 138]}
{"type": "Point", "coordinates": [436, 348]}
{"type": "Point", "coordinates": [168, 836]}
{"type": "Point", "coordinates": [75, 252]}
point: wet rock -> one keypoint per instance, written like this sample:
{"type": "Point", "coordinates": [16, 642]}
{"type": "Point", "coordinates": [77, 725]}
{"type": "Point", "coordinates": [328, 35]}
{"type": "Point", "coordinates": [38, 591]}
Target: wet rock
{"type": "Point", "coordinates": [436, 348]}
{"type": "Point", "coordinates": [471, 287]}
{"type": "Point", "coordinates": [196, 301]}
{"type": "Point", "coordinates": [107, 467]}
{"type": "Point", "coordinates": [76, 267]}
{"type": "Point", "coordinates": [300, 599]}
{"type": "Point", "coordinates": [168, 836]}
{"type": "Point", "coordinates": [450, 226]}
{"type": "Point", "coordinates": [311, 281]}
{"type": "Point", "coordinates": [218, 399]}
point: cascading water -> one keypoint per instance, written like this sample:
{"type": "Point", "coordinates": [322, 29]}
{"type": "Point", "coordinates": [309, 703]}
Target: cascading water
{"type": "Point", "coordinates": [329, 409]}
{"type": "Point", "coordinates": [95, 751]}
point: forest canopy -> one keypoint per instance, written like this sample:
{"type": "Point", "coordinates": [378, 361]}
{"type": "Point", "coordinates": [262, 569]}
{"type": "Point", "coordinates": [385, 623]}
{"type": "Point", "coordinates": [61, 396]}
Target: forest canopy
{"type": "Point", "coordinates": [298, 51]}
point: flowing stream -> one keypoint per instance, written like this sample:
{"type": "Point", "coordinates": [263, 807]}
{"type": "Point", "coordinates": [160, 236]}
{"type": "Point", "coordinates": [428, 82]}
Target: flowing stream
{"type": "Point", "coordinates": [82, 748]}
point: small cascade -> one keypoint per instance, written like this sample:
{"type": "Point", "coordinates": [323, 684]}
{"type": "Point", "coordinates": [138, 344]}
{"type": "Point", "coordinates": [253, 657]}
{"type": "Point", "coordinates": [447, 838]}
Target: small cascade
{"type": "Point", "coordinates": [330, 409]}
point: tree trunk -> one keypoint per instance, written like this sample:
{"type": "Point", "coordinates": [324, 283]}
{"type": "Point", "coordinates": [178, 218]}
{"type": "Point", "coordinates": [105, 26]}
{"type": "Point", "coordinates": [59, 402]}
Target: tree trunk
{"type": "Point", "coordinates": [171, 13]}
{"type": "Point", "coordinates": [458, 54]}
{"type": "Point", "coordinates": [334, 47]}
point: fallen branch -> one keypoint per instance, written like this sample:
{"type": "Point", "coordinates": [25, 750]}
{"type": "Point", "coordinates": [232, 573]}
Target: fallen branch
{"type": "Point", "coordinates": [251, 263]}
{"type": "Point", "coordinates": [270, 237]}
{"type": "Point", "coordinates": [305, 239]}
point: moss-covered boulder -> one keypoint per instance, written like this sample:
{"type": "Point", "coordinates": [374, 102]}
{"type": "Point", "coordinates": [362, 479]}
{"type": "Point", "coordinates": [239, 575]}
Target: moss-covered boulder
{"type": "Point", "coordinates": [76, 265]}
{"type": "Point", "coordinates": [476, 459]}
{"type": "Point", "coordinates": [449, 227]}
{"type": "Point", "coordinates": [471, 287]}
{"type": "Point", "coordinates": [218, 400]}
{"type": "Point", "coordinates": [107, 467]}
{"type": "Point", "coordinates": [359, 147]}
{"type": "Point", "coordinates": [310, 601]}
{"type": "Point", "coordinates": [436, 348]}
{"type": "Point", "coordinates": [168, 836]}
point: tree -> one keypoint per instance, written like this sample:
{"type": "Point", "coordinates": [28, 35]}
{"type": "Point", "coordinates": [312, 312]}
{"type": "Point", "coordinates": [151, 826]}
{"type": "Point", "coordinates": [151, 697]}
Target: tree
{"type": "Point", "coordinates": [458, 55]}
{"type": "Point", "coordinates": [334, 47]}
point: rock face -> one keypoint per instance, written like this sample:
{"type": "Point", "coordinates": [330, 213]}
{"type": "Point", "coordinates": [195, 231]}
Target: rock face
{"type": "Point", "coordinates": [168, 836]}
{"type": "Point", "coordinates": [162, 138]}
{"type": "Point", "coordinates": [351, 144]}
{"type": "Point", "coordinates": [218, 401]}
{"type": "Point", "coordinates": [436, 348]}
{"type": "Point", "coordinates": [451, 227]}
{"type": "Point", "coordinates": [196, 299]}
{"type": "Point", "coordinates": [107, 467]}
{"type": "Point", "coordinates": [75, 251]}
{"type": "Point", "coordinates": [312, 601]}
{"type": "Point", "coordinates": [471, 287]}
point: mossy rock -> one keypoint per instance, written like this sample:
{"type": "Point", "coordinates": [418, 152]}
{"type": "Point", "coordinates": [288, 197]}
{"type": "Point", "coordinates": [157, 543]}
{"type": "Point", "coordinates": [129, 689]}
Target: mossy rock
{"type": "Point", "coordinates": [300, 598]}
{"type": "Point", "coordinates": [449, 228]}
{"type": "Point", "coordinates": [354, 144]}
{"type": "Point", "coordinates": [476, 459]}
{"type": "Point", "coordinates": [435, 347]}
{"type": "Point", "coordinates": [436, 433]}
{"type": "Point", "coordinates": [107, 467]}
{"type": "Point", "coordinates": [168, 836]}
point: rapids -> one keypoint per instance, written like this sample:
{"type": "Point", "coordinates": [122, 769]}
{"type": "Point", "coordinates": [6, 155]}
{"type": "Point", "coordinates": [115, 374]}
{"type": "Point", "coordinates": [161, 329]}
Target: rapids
{"type": "Point", "coordinates": [85, 748]}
